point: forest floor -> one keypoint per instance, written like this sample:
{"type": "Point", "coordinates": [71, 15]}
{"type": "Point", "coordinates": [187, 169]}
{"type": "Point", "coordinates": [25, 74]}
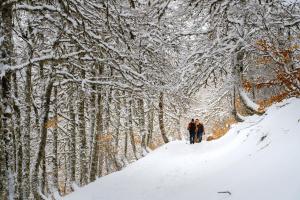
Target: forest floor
{"type": "Point", "coordinates": [257, 159]}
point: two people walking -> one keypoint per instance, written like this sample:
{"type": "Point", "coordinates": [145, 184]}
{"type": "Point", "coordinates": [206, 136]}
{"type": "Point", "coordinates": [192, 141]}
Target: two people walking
{"type": "Point", "coordinates": [196, 130]}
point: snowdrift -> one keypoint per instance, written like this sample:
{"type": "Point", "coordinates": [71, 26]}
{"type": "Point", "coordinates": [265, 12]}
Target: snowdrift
{"type": "Point", "coordinates": [257, 159]}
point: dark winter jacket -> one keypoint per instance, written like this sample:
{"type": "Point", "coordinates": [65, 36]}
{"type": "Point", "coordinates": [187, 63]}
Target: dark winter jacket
{"type": "Point", "coordinates": [200, 128]}
{"type": "Point", "coordinates": [192, 127]}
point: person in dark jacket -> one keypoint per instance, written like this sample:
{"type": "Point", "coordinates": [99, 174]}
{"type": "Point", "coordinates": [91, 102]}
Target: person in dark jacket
{"type": "Point", "coordinates": [192, 128]}
{"type": "Point", "coordinates": [199, 130]}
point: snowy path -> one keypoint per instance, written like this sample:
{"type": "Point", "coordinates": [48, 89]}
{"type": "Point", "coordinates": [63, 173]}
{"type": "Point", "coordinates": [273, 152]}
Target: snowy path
{"type": "Point", "coordinates": [257, 160]}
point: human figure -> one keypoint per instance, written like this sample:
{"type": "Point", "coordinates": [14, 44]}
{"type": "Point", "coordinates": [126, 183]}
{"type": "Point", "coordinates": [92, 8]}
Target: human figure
{"type": "Point", "coordinates": [196, 130]}
{"type": "Point", "coordinates": [192, 128]}
{"type": "Point", "coordinates": [199, 130]}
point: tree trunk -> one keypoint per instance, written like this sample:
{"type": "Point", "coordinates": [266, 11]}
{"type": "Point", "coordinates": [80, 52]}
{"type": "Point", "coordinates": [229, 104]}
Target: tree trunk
{"type": "Point", "coordinates": [126, 144]}
{"type": "Point", "coordinates": [238, 68]}
{"type": "Point", "coordinates": [142, 123]}
{"type": "Point", "coordinates": [97, 141]}
{"type": "Point", "coordinates": [178, 126]}
{"type": "Point", "coordinates": [93, 113]}
{"type": "Point", "coordinates": [41, 151]}
{"type": "Point", "coordinates": [27, 149]}
{"type": "Point", "coordinates": [124, 104]}
{"type": "Point", "coordinates": [150, 116]}
{"type": "Point", "coordinates": [44, 179]}
{"type": "Point", "coordinates": [72, 140]}
{"type": "Point", "coordinates": [18, 135]}
{"type": "Point", "coordinates": [82, 132]}
{"type": "Point", "coordinates": [55, 142]}
{"type": "Point", "coordinates": [6, 137]}
{"type": "Point", "coordinates": [92, 134]}
{"type": "Point", "coordinates": [118, 120]}
{"type": "Point", "coordinates": [131, 134]}
{"type": "Point", "coordinates": [161, 118]}
{"type": "Point", "coordinates": [234, 110]}
{"type": "Point", "coordinates": [107, 110]}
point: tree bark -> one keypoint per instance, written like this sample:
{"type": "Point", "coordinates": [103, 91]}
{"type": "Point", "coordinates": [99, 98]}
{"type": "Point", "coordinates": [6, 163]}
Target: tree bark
{"type": "Point", "coordinates": [55, 142]}
{"type": "Point", "coordinates": [118, 120]}
{"type": "Point", "coordinates": [41, 151]}
{"type": "Point", "coordinates": [27, 148]}
{"type": "Point", "coordinates": [92, 133]}
{"type": "Point", "coordinates": [238, 57]}
{"type": "Point", "coordinates": [161, 118]}
{"type": "Point", "coordinates": [150, 116]}
{"type": "Point", "coordinates": [72, 140]}
{"type": "Point", "coordinates": [142, 123]}
{"type": "Point", "coordinates": [97, 142]}
{"type": "Point", "coordinates": [124, 103]}
{"type": "Point", "coordinates": [44, 179]}
{"type": "Point", "coordinates": [93, 113]}
{"type": "Point", "coordinates": [234, 110]}
{"type": "Point", "coordinates": [131, 134]}
{"type": "Point", "coordinates": [82, 132]}
{"type": "Point", "coordinates": [6, 137]}
{"type": "Point", "coordinates": [18, 135]}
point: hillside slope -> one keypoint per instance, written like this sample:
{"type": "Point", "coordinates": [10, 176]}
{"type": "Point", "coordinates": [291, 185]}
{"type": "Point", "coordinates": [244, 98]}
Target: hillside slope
{"type": "Point", "coordinates": [257, 159]}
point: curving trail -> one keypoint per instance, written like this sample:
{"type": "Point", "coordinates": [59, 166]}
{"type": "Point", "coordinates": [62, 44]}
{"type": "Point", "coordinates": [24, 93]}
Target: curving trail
{"type": "Point", "coordinates": [258, 159]}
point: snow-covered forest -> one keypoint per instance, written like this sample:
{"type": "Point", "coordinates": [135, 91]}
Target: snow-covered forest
{"type": "Point", "coordinates": [90, 86]}
{"type": "Point", "coordinates": [254, 160]}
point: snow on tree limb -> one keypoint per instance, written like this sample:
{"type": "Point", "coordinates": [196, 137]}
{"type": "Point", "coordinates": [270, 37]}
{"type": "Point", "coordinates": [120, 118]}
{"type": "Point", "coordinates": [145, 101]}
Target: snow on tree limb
{"type": "Point", "coordinates": [248, 102]}
{"type": "Point", "coordinates": [45, 58]}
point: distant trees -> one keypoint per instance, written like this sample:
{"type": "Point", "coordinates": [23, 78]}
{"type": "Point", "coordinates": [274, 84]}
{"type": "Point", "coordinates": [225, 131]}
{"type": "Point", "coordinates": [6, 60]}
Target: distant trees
{"type": "Point", "coordinates": [228, 35]}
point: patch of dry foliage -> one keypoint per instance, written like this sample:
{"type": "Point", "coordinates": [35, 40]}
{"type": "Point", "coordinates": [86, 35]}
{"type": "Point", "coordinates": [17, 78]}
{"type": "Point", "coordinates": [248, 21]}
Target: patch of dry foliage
{"type": "Point", "coordinates": [221, 128]}
{"type": "Point", "coordinates": [53, 122]}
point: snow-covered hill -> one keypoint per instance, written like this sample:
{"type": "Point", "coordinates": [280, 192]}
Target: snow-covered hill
{"type": "Point", "coordinates": [258, 159]}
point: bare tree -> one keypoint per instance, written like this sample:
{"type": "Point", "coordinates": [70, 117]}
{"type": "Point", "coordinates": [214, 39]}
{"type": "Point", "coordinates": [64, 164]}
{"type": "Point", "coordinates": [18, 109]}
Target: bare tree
{"type": "Point", "coordinates": [161, 117]}
{"type": "Point", "coordinates": [6, 135]}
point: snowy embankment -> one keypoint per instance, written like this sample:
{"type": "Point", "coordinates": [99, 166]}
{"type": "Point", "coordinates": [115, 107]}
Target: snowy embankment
{"type": "Point", "coordinates": [257, 159]}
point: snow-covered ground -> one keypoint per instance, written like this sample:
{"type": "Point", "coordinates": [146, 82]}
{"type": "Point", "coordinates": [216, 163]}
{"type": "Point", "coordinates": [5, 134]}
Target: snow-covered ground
{"type": "Point", "coordinates": [258, 159]}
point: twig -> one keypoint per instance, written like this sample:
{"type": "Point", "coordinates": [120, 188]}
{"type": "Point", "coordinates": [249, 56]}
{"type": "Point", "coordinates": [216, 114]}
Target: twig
{"type": "Point", "coordinates": [225, 192]}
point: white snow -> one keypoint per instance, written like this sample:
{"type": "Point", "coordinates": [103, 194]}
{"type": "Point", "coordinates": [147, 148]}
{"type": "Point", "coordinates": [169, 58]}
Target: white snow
{"type": "Point", "coordinates": [257, 159]}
